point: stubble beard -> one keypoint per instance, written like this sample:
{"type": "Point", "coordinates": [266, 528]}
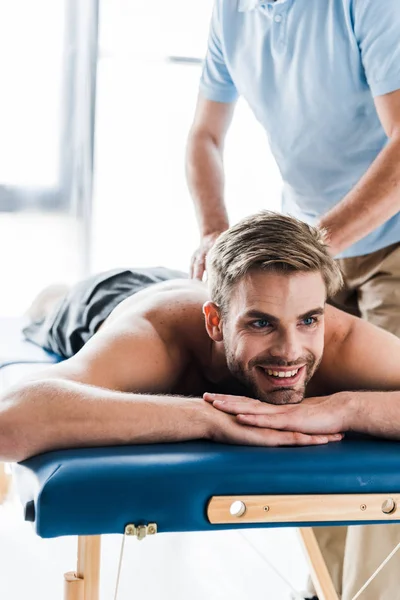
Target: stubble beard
{"type": "Point", "coordinates": [278, 396]}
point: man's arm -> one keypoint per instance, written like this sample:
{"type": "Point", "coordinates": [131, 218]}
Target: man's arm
{"type": "Point", "coordinates": [376, 197]}
{"type": "Point", "coordinates": [102, 395]}
{"type": "Point", "coordinates": [204, 164]}
{"type": "Point", "coordinates": [110, 393]}
{"type": "Point", "coordinates": [205, 173]}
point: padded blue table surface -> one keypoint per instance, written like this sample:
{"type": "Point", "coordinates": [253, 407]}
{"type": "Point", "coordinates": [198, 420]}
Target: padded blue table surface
{"type": "Point", "coordinates": [100, 490]}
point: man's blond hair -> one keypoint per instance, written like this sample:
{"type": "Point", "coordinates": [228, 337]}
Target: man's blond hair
{"type": "Point", "coordinates": [271, 242]}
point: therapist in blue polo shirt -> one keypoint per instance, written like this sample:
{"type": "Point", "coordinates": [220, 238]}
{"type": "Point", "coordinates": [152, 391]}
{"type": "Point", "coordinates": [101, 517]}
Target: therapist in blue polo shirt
{"type": "Point", "coordinates": [323, 79]}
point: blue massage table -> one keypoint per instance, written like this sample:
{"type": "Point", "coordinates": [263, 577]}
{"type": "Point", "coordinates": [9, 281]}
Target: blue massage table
{"type": "Point", "coordinates": [145, 490]}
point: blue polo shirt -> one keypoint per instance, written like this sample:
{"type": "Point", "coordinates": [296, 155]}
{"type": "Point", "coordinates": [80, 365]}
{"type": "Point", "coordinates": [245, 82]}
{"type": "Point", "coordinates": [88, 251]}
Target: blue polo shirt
{"type": "Point", "coordinates": [309, 70]}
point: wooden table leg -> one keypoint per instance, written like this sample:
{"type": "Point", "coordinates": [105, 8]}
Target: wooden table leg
{"type": "Point", "coordinates": [5, 482]}
{"type": "Point", "coordinates": [84, 584]}
{"type": "Point", "coordinates": [319, 571]}
{"type": "Point", "coordinates": [73, 587]}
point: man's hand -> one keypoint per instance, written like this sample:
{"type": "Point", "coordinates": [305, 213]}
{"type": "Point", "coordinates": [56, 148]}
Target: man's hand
{"type": "Point", "coordinates": [248, 429]}
{"type": "Point", "coordinates": [198, 263]}
{"type": "Point", "coordinates": [325, 415]}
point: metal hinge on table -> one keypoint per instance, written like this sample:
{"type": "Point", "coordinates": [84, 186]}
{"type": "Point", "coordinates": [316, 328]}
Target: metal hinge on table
{"type": "Point", "coordinates": [138, 531]}
{"type": "Point", "coordinates": [141, 531]}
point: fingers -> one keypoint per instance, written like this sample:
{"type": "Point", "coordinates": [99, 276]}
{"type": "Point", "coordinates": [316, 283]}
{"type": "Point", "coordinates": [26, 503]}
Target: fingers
{"type": "Point", "coordinates": [278, 421]}
{"type": "Point", "coordinates": [191, 267]}
{"type": "Point", "coordinates": [198, 263]}
{"type": "Point", "coordinates": [290, 422]}
{"type": "Point", "coordinates": [225, 399]}
{"type": "Point", "coordinates": [272, 437]}
{"type": "Point", "coordinates": [198, 266]}
{"type": "Point", "coordinates": [235, 405]}
{"type": "Point", "coordinates": [211, 397]}
{"type": "Point", "coordinates": [198, 270]}
{"type": "Point", "coordinates": [295, 438]}
{"type": "Point", "coordinates": [281, 426]}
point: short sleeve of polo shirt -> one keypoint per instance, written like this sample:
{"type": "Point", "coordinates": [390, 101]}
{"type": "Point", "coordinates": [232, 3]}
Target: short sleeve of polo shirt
{"type": "Point", "coordinates": [377, 29]}
{"type": "Point", "coordinates": [216, 83]}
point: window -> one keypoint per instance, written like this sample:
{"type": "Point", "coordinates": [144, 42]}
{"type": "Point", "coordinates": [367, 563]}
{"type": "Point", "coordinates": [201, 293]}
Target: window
{"type": "Point", "coordinates": [40, 59]}
{"type": "Point", "coordinates": [143, 214]}
{"type": "Point", "coordinates": [48, 58]}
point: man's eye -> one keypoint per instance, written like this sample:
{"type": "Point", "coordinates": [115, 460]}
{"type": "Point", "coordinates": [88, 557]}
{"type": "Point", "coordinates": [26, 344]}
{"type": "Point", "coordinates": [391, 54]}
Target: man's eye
{"type": "Point", "coordinates": [309, 321]}
{"type": "Point", "coordinates": [261, 324]}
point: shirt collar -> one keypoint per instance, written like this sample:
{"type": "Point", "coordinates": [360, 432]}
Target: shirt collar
{"type": "Point", "coordinates": [246, 5]}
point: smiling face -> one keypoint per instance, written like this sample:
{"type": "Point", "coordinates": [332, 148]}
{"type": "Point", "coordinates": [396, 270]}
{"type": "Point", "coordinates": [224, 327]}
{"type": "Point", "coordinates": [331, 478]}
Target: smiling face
{"type": "Point", "coordinates": [273, 333]}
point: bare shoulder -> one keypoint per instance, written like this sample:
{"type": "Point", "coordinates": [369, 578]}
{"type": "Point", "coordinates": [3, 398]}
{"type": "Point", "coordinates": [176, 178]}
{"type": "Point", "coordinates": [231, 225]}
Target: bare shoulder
{"type": "Point", "coordinates": [337, 326]}
{"type": "Point", "coordinates": [357, 355]}
{"type": "Point", "coordinates": [145, 344]}
{"type": "Point", "coordinates": [345, 330]}
{"type": "Point", "coordinates": [176, 304]}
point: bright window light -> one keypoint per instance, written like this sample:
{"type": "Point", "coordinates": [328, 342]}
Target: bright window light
{"type": "Point", "coordinates": [31, 66]}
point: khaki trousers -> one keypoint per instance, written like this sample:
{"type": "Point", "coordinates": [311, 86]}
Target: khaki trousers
{"type": "Point", "coordinates": [372, 291]}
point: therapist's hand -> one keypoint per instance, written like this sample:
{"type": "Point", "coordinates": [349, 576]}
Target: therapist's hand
{"type": "Point", "coordinates": [321, 415]}
{"type": "Point", "coordinates": [198, 262]}
{"type": "Point", "coordinates": [330, 239]}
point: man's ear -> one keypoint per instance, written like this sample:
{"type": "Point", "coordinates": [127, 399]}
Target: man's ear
{"type": "Point", "coordinates": [212, 321]}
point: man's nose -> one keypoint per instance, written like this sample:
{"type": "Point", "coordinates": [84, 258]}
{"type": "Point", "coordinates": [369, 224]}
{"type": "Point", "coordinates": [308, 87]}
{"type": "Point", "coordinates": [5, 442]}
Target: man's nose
{"type": "Point", "coordinates": [286, 346]}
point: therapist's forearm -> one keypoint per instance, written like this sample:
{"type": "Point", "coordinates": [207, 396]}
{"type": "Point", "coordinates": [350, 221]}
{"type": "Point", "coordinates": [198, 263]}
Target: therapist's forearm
{"type": "Point", "coordinates": [205, 177]}
{"type": "Point", "coordinates": [373, 200]}
{"type": "Point", "coordinates": [375, 413]}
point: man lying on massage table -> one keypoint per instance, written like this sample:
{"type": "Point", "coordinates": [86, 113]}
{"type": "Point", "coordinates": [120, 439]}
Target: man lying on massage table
{"type": "Point", "coordinates": [139, 346]}
{"type": "Point", "coordinates": [257, 357]}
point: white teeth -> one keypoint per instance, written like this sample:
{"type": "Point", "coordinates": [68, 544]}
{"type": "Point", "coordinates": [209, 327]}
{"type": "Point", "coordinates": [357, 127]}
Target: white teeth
{"type": "Point", "coordinates": [282, 373]}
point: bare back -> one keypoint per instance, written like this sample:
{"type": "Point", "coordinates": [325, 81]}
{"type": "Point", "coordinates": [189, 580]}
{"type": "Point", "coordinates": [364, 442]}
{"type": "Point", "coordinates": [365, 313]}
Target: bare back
{"type": "Point", "coordinates": [154, 341]}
